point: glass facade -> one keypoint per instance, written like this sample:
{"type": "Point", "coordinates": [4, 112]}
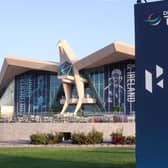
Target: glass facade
{"type": "Point", "coordinates": [71, 108]}
{"type": "Point", "coordinates": [74, 92]}
{"type": "Point", "coordinates": [97, 78]}
{"type": "Point", "coordinates": [66, 69]}
{"type": "Point", "coordinates": [114, 85]}
{"type": "Point", "coordinates": [93, 89]}
{"type": "Point", "coordinates": [35, 92]}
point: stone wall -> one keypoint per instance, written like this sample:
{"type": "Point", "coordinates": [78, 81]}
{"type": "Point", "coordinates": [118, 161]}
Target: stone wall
{"type": "Point", "coordinates": [22, 131]}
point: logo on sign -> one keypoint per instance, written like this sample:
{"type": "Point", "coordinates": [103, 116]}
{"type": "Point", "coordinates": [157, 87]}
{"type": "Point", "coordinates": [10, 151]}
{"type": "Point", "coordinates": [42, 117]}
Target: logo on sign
{"type": "Point", "coordinates": [149, 79]}
{"type": "Point", "coordinates": [153, 20]}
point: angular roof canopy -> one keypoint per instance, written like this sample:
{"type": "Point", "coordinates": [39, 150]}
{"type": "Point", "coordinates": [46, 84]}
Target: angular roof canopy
{"type": "Point", "coordinates": [112, 53]}
{"type": "Point", "coordinates": [13, 66]}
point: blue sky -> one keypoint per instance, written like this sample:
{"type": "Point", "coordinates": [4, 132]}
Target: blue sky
{"type": "Point", "coordinates": [31, 28]}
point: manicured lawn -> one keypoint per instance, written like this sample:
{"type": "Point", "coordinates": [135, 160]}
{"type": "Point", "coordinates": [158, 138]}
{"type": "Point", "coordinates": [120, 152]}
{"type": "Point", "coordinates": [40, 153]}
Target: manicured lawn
{"type": "Point", "coordinates": [67, 158]}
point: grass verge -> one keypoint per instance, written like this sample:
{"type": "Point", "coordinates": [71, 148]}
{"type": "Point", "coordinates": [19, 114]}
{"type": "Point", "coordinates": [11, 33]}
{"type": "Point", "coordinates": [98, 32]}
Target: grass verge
{"type": "Point", "coordinates": [67, 157]}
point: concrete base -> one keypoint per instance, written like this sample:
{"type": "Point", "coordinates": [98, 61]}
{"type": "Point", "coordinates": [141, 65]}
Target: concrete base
{"type": "Point", "coordinates": [22, 131]}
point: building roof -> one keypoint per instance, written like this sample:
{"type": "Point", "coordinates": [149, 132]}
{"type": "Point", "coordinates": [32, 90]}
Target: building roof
{"type": "Point", "coordinates": [13, 66]}
{"type": "Point", "coordinates": [112, 53]}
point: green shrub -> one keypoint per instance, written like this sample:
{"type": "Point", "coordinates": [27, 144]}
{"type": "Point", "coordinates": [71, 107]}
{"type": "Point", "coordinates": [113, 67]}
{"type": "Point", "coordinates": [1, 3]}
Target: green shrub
{"type": "Point", "coordinates": [58, 137]}
{"type": "Point", "coordinates": [38, 138]}
{"type": "Point", "coordinates": [94, 137]}
{"type": "Point", "coordinates": [79, 138]}
{"type": "Point", "coordinates": [41, 138]}
{"type": "Point", "coordinates": [54, 138]}
{"type": "Point", "coordinates": [50, 138]}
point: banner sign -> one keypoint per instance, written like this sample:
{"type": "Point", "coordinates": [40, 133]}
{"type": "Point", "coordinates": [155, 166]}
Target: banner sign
{"type": "Point", "coordinates": [151, 34]}
{"type": "Point", "coordinates": [119, 87]}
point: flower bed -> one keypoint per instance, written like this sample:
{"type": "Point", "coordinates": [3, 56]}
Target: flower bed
{"type": "Point", "coordinates": [93, 137]}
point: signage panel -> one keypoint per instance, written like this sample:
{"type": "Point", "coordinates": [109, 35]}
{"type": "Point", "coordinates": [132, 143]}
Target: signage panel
{"type": "Point", "coordinates": [151, 32]}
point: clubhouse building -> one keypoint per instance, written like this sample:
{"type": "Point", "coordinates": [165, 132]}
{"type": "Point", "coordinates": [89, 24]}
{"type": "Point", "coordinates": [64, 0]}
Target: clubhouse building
{"type": "Point", "coordinates": [100, 83]}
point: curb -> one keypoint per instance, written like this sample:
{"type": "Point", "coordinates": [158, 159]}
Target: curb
{"type": "Point", "coordinates": [6, 145]}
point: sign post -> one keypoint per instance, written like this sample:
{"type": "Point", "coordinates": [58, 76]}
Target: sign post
{"type": "Point", "coordinates": [151, 33]}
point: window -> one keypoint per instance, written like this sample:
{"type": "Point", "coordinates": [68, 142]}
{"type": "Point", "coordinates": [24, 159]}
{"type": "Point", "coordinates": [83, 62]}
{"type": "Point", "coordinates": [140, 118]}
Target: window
{"type": "Point", "coordinates": [66, 69]}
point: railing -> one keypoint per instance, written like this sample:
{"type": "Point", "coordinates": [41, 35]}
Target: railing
{"type": "Point", "coordinates": [70, 118]}
{"type": "Point", "coordinates": [75, 100]}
